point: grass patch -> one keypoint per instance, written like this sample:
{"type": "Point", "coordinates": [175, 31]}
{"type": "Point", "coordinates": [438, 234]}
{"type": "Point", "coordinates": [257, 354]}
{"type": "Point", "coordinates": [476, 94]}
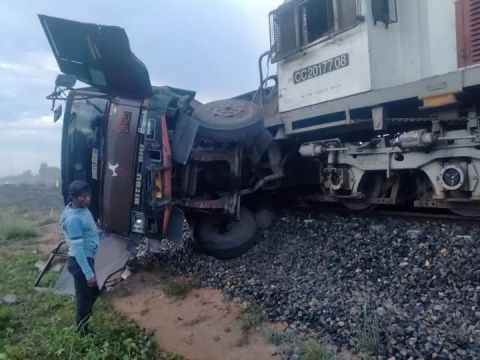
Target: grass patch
{"type": "Point", "coordinates": [20, 211]}
{"type": "Point", "coordinates": [278, 338]}
{"type": "Point", "coordinates": [47, 221]}
{"type": "Point", "coordinates": [14, 227]}
{"type": "Point", "coordinates": [5, 319]}
{"type": "Point", "coordinates": [369, 333]}
{"type": "Point", "coordinates": [39, 326]}
{"type": "Point", "coordinates": [48, 280]}
{"type": "Point", "coordinates": [179, 287]}
{"type": "Point", "coordinates": [251, 317]}
{"type": "Point", "coordinates": [315, 350]}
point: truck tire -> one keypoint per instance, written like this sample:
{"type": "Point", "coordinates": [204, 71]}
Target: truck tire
{"type": "Point", "coordinates": [230, 243]}
{"type": "Point", "coordinates": [229, 120]}
{"type": "Point", "coordinates": [264, 218]}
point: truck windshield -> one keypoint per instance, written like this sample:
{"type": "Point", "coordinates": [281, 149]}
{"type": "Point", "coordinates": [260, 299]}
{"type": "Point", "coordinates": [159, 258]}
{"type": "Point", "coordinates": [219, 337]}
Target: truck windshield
{"type": "Point", "coordinates": [83, 144]}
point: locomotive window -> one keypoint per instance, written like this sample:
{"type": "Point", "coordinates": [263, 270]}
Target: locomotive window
{"type": "Point", "coordinates": [323, 18]}
{"type": "Point", "coordinates": [317, 20]}
{"type": "Point", "coordinates": [346, 14]}
{"type": "Point", "coordinates": [300, 24]}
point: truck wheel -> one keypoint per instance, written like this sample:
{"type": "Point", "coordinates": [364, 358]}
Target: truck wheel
{"type": "Point", "coordinates": [229, 120]}
{"type": "Point", "coordinates": [264, 218]}
{"type": "Point", "coordinates": [227, 242]}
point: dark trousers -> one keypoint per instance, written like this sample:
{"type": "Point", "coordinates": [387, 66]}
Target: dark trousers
{"type": "Point", "coordinates": [85, 295]}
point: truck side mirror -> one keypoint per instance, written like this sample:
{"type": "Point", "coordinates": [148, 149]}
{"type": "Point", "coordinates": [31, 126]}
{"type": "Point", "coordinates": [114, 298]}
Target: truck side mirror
{"type": "Point", "coordinates": [65, 81]}
{"type": "Point", "coordinates": [57, 113]}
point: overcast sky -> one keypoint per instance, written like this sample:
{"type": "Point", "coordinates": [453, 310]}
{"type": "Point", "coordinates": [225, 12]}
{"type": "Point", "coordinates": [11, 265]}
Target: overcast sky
{"type": "Point", "coordinates": [209, 46]}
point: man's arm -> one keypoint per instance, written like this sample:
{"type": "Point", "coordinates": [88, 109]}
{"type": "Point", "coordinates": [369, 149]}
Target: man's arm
{"type": "Point", "coordinates": [76, 245]}
{"type": "Point", "coordinates": [76, 248]}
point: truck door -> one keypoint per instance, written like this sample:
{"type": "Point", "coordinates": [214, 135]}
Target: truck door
{"type": "Point", "coordinates": [98, 55]}
{"type": "Point", "coordinates": [118, 187]}
{"type": "Point", "coordinates": [82, 145]}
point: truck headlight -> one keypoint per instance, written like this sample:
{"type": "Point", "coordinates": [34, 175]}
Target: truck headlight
{"type": "Point", "coordinates": [139, 222]}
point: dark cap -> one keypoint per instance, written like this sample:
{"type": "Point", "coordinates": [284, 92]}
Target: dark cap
{"type": "Point", "coordinates": [79, 187]}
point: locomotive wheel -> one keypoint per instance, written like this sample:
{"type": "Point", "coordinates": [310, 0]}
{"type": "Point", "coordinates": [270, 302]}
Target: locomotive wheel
{"type": "Point", "coordinates": [371, 186]}
{"type": "Point", "coordinates": [230, 120]}
{"type": "Point", "coordinates": [425, 191]}
{"type": "Point", "coordinates": [467, 213]}
{"type": "Point", "coordinates": [227, 241]}
{"type": "Point", "coordinates": [470, 213]}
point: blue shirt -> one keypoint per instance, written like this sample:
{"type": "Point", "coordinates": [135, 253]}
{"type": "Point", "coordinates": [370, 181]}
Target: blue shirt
{"type": "Point", "coordinates": [82, 236]}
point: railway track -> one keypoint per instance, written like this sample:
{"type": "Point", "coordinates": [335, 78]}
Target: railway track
{"type": "Point", "coordinates": [405, 214]}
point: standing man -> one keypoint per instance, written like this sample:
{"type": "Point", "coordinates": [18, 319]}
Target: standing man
{"type": "Point", "coordinates": [82, 237]}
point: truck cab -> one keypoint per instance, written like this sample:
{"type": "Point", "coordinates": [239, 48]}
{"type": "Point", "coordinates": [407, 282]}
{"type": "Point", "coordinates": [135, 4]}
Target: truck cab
{"type": "Point", "coordinates": [100, 146]}
{"type": "Point", "coordinates": [154, 156]}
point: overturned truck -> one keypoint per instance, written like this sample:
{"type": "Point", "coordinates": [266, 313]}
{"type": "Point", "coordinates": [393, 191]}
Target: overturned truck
{"type": "Point", "coordinates": [374, 103]}
{"type": "Point", "coordinates": [153, 156]}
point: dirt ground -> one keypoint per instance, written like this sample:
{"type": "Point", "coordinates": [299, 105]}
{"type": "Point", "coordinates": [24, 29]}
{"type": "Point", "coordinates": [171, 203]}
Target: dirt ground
{"type": "Point", "coordinates": [199, 327]}
{"type": "Point", "coordinates": [202, 326]}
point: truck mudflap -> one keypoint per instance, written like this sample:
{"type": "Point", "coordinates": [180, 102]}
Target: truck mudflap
{"type": "Point", "coordinates": [112, 257]}
{"type": "Point", "coordinates": [98, 55]}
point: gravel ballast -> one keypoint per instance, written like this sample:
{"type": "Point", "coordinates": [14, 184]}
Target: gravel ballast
{"type": "Point", "coordinates": [349, 278]}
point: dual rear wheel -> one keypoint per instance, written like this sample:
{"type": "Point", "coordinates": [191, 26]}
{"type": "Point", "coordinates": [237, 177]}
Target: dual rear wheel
{"type": "Point", "coordinates": [228, 121]}
{"type": "Point", "coordinates": [226, 239]}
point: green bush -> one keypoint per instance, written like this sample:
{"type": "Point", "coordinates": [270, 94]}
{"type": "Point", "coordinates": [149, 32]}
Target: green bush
{"type": "Point", "coordinates": [369, 333]}
{"type": "Point", "coordinates": [314, 350]}
{"type": "Point", "coordinates": [179, 287]}
{"type": "Point", "coordinates": [278, 338]}
{"type": "Point", "coordinates": [15, 227]}
{"type": "Point", "coordinates": [251, 317]}
{"type": "Point", "coordinates": [5, 319]}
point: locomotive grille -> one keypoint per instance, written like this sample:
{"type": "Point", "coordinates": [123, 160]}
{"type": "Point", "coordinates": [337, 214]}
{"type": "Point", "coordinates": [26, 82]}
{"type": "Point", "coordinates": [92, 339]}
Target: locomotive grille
{"type": "Point", "coordinates": [283, 33]}
{"type": "Point", "coordinates": [468, 32]}
{"type": "Point", "coordinates": [297, 25]}
{"type": "Point", "coordinates": [474, 19]}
